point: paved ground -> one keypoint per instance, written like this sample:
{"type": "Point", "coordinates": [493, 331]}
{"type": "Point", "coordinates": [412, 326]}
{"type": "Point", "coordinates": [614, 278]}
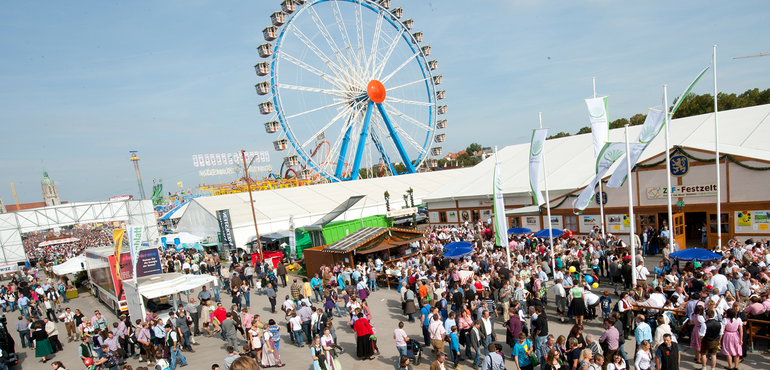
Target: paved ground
{"type": "Point", "coordinates": [386, 310]}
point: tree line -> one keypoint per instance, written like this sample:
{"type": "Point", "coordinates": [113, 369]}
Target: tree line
{"type": "Point", "coordinates": [692, 105]}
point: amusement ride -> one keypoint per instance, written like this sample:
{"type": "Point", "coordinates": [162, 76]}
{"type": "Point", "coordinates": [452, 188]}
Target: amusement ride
{"type": "Point", "coordinates": [350, 91]}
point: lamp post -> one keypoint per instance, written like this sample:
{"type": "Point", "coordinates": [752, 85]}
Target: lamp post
{"type": "Point", "coordinates": [251, 201]}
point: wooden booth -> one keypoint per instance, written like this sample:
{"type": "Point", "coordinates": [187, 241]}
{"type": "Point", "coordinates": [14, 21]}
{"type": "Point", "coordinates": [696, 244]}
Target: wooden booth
{"type": "Point", "coordinates": [387, 243]}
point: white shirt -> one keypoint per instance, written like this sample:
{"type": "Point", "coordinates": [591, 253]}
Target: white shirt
{"type": "Point", "coordinates": [719, 281]}
{"type": "Point", "coordinates": [487, 326]}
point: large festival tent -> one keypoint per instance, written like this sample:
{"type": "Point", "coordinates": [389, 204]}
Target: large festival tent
{"type": "Point", "coordinates": [71, 266]}
{"type": "Point", "coordinates": [14, 224]}
{"type": "Point", "coordinates": [571, 166]}
{"type": "Point", "coordinates": [306, 204]}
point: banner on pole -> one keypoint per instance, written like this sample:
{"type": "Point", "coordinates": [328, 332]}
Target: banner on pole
{"type": "Point", "coordinates": [117, 237]}
{"type": "Point", "coordinates": [195, 160]}
{"type": "Point", "coordinates": [600, 122]}
{"type": "Point", "coordinates": [653, 124]}
{"type": "Point", "coordinates": [501, 224]}
{"type": "Point", "coordinates": [610, 153]}
{"type": "Point", "coordinates": [226, 229]}
{"type": "Point", "coordinates": [535, 159]}
{"type": "Point", "coordinates": [292, 238]}
{"type": "Point", "coordinates": [135, 235]}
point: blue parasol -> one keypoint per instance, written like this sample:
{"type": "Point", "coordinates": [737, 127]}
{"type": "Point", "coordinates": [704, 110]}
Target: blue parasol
{"type": "Point", "coordinates": [544, 233]}
{"type": "Point", "coordinates": [519, 231]}
{"type": "Point", "coordinates": [695, 254]}
{"type": "Point", "coordinates": [458, 252]}
{"type": "Point", "coordinates": [455, 245]}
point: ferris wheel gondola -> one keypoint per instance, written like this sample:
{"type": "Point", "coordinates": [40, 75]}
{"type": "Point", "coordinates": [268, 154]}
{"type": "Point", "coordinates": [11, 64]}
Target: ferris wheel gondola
{"type": "Point", "coordinates": [353, 70]}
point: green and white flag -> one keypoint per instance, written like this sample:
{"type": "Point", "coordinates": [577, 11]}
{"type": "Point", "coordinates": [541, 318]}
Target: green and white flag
{"type": "Point", "coordinates": [653, 124]}
{"type": "Point", "coordinates": [501, 224]}
{"type": "Point", "coordinates": [600, 122]}
{"type": "Point", "coordinates": [535, 164]}
{"type": "Point", "coordinates": [610, 153]}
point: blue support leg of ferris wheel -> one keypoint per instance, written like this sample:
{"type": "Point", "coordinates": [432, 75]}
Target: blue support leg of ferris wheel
{"type": "Point", "coordinates": [343, 150]}
{"type": "Point", "coordinates": [361, 141]}
{"type": "Point", "coordinates": [407, 163]}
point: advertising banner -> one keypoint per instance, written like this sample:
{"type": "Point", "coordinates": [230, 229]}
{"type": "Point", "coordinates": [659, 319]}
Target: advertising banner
{"type": "Point", "coordinates": [8, 268]}
{"type": "Point", "coordinates": [600, 123]}
{"type": "Point", "coordinates": [535, 164]}
{"type": "Point", "coordinates": [135, 234]}
{"type": "Point", "coordinates": [706, 190]}
{"type": "Point", "coordinates": [226, 228]}
{"type": "Point", "coordinates": [148, 263]}
{"type": "Point", "coordinates": [501, 222]}
{"type": "Point", "coordinates": [195, 160]}
{"type": "Point", "coordinates": [208, 159]}
{"type": "Point", "coordinates": [292, 238]}
{"type": "Point", "coordinates": [200, 160]}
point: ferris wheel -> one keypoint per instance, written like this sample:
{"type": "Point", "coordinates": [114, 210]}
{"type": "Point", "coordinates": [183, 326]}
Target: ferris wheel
{"type": "Point", "coordinates": [349, 88]}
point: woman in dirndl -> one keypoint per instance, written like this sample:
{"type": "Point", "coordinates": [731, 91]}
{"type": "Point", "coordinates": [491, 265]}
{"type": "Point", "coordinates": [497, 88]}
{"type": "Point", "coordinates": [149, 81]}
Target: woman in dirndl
{"type": "Point", "coordinates": [364, 347]}
{"type": "Point", "coordinates": [578, 306]}
{"type": "Point", "coordinates": [327, 342]}
{"type": "Point", "coordinates": [42, 345]}
{"type": "Point", "coordinates": [270, 356]}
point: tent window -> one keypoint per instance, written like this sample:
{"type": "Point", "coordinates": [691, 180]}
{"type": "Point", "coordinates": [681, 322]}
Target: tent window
{"type": "Point", "coordinates": [442, 216]}
{"type": "Point", "coordinates": [570, 222]}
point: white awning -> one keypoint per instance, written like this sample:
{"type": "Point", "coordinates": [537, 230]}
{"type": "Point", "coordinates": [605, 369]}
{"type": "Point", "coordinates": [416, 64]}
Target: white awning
{"type": "Point", "coordinates": [71, 266]}
{"type": "Point", "coordinates": [529, 210]}
{"type": "Point", "coordinates": [162, 285]}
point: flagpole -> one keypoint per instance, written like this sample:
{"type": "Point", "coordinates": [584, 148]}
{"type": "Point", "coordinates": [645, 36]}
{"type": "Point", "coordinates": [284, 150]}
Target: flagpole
{"type": "Point", "coordinates": [548, 203]}
{"type": "Point", "coordinates": [631, 222]}
{"type": "Point", "coordinates": [716, 149]}
{"type": "Point", "coordinates": [668, 167]}
{"type": "Point", "coordinates": [601, 192]}
{"type": "Point", "coordinates": [507, 245]}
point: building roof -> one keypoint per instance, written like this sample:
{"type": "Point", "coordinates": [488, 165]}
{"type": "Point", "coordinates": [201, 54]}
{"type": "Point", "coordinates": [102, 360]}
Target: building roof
{"type": "Point", "coordinates": [23, 206]}
{"type": "Point", "coordinates": [372, 239]}
{"type": "Point", "coordinates": [307, 203]}
{"type": "Point", "coordinates": [570, 160]}
{"type": "Point", "coordinates": [46, 180]}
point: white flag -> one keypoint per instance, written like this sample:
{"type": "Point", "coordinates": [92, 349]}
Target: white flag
{"type": "Point", "coordinates": [267, 156]}
{"type": "Point", "coordinates": [600, 123]}
{"type": "Point", "coordinates": [610, 153]}
{"type": "Point", "coordinates": [195, 160]}
{"type": "Point", "coordinates": [200, 160]}
{"type": "Point", "coordinates": [262, 157]}
{"type": "Point", "coordinates": [652, 125]}
{"type": "Point", "coordinates": [501, 224]}
{"type": "Point", "coordinates": [535, 158]}
{"type": "Point", "coordinates": [208, 159]}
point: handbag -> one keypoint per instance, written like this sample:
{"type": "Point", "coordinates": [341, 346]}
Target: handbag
{"type": "Point", "coordinates": [533, 358]}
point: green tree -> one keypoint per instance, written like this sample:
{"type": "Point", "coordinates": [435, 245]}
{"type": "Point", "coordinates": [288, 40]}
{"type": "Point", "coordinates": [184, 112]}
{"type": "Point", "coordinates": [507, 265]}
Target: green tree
{"type": "Point", "coordinates": [556, 136]}
{"type": "Point", "coordinates": [637, 119]}
{"type": "Point", "coordinates": [618, 123]}
{"type": "Point", "coordinates": [584, 130]}
{"type": "Point", "coordinates": [473, 148]}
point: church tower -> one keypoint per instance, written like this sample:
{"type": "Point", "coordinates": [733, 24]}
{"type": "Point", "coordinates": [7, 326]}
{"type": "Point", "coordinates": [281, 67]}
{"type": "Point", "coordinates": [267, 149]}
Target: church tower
{"type": "Point", "coordinates": [50, 194]}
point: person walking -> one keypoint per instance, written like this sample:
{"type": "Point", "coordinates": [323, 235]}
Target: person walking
{"type": "Point", "coordinates": [440, 363]}
{"type": "Point", "coordinates": [399, 335]}
{"type": "Point", "coordinates": [364, 347]}
{"type": "Point", "coordinates": [270, 346]}
{"type": "Point", "coordinates": [270, 292]}
{"type": "Point", "coordinates": [710, 339]}
{"type": "Point", "coordinates": [229, 330]}
{"type": "Point", "coordinates": [474, 342]}
{"type": "Point", "coordinates": [42, 345]}
{"type": "Point", "coordinates": [667, 356]}
{"type": "Point", "coordinates": [521, 351]}
{"type": "Point", "coordinates": [22, 327]}
{"type": "Point", "coordinates": [172, 341]}
{"type": "Point", "coordinates": [732, 339]}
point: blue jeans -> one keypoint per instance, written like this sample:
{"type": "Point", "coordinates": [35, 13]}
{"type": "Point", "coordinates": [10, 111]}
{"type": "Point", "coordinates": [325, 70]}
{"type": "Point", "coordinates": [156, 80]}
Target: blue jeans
{"type": "Point", "coordinates": [468, 345]}
{"type": "Point", "coordinates": [540, 341]}
{"type": "Point", "coordinates": [372, 284]}
{"type": "Point", "coordinates": [485, 343]}
{"type": "Point", "coordinates": [339, 313]}
{"type": "Point", "coordinates": [25, 339]}
{"type": "Point", "coordinates": [216, 294]}
{"type": "Point", "coordinates": [477, 357]}
{"type": "Point", "coordinates": [317, 295]}
{"type": "Point", "coordinates": [12, 305]}
{"type": "Point", "coordinates": [247, 298]}
{"type": "Point", "coordinates": [174, 355]}
{"type": "Point", "coordinates": [455, 357]}
{"type": "Point", "coordinates": [426, 335]}
{"type": "Point", "coordinates": [25, 311]}
{"type": "Point", "coordinates": [298, 337]}
{"type": "Point", "coordinates": [401, 350]}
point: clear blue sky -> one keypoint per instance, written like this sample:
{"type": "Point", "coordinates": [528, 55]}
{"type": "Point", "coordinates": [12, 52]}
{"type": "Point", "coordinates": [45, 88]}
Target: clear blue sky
{"type": "Point", "coordinates": [83, 83]}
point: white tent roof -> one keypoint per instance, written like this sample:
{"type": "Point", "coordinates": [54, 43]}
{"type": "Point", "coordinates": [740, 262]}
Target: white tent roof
{"type": "Point", "coordinates": [307, 203]}
{"type": "Point", "coordinates": [155, 286]}
{"type": "Point", "coordinates": [571, 164]}
{"type": "Point", "coordinates": [71, 266]}
{"type": "Point", "coordinates": [184, 238]}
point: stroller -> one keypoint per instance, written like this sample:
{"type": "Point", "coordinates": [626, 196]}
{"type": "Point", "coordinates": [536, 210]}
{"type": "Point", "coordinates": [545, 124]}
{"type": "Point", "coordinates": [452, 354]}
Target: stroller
{"type": "Point", "coordinates": [414, 351]}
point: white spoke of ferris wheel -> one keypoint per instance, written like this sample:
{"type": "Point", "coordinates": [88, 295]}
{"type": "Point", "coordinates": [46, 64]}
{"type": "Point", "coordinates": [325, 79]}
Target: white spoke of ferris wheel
{"type": "Point", "coordinates": [320, 108]}
{"type": "Point", "coordinates": [305, 40]}
{"type": "Point", "coordinates": [397, 100]}
{"type": "Point", "coordinates": [336, 82]}
{"type": "Point", "coordinates": [339, 115]}
{"type": "Point", "coordinates": [337, 93]}
{"type": "Point", "coordinates": [360, 32]}
{"type": "Point", "coordinates": [375, 42]}
{"type": "Point", "coordinates": [333, 151]}
{"type": "Point", "coordinates": [329, 40]}
{"type": "Point", "coordinates": [407, 84]}
{"type": "Point", "coordinates": [396, 112]}
{"type": "Point", "coordinates": [407, 137]}
{"type": "Point", "coordinates": [381, 67]}
{"type": "Point", "coordinates": [399, 68]}
{"type": "Point", "coordinates": [343, 30]}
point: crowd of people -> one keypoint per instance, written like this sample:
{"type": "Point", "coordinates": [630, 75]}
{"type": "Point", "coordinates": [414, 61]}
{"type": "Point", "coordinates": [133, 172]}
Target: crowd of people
{"type": "Point", "coordinates": [457, 304]}
{"type": "Point", "coordinates": [81, 238]}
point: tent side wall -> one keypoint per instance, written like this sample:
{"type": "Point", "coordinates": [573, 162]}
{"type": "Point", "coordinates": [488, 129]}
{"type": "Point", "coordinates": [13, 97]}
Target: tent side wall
{"type": "Point", "coordinates": [198, 221]}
